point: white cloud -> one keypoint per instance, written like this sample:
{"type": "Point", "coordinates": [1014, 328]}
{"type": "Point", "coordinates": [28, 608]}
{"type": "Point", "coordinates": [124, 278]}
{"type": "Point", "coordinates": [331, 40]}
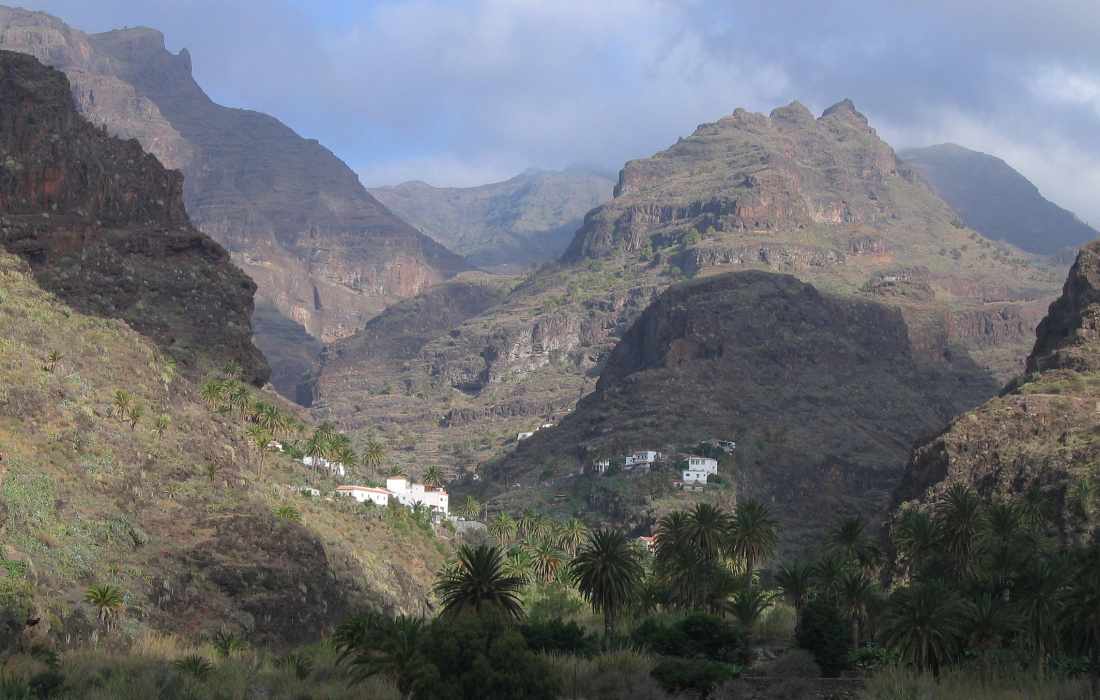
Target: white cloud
{"type": "Point", "coordinates": [1057, 84]}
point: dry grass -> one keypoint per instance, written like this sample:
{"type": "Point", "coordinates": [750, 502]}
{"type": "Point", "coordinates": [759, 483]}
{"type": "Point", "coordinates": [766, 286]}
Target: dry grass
{"type": "Point", "coordinates": [966, 684]}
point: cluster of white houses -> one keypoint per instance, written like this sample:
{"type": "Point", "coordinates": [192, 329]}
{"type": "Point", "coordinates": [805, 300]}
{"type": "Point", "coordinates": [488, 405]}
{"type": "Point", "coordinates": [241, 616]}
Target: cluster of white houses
{"type": "Point", "coordinates": [402, 491]}
{"type": "Point", "coordinates": [697, 471]}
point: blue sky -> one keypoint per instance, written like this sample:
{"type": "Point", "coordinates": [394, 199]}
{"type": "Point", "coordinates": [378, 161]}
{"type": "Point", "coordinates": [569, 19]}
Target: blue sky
{"type": "Point", "coordinates": [468, 91]}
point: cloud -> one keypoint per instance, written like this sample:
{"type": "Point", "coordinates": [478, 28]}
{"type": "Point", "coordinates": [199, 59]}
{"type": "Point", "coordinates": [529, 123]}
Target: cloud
{"type": "Point", "coordinates": [467, 88]}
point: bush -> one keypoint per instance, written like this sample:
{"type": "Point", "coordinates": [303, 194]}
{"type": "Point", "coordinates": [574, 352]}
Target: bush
{"type": "Point", "coordinates": [558, 636]}
{"type": "Point", "coordinates": [825, 634]}
{"type": "Point", "coordinates": [796, 663]}
{"type": "Point", "coordinates": [697, 636]}
{"type": "Point", "coordinates": [696, 676]}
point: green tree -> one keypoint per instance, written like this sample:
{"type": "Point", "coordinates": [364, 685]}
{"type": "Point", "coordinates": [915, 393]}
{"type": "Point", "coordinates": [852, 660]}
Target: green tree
{"type": "Point", "coordinates": [479, 583]}
{"type": "Point", "coordinates": [122, 401]}
{"type": "Point", "coordinates": [796, 580]}
{"type": "Point", "coordinates": [923, 624]}
{"type": "Point", "coordinates": [374, 645]}
{"type": "Point", "coordinates": [849, 537]}
{"type": "Point", "coordinates": [108, 602]}
{"type": "Point", "coordinates": [471, 508]}
{"type": "Point", "coordinates": [961, 519]}
{"type": "Point", "coordinates": [519, 564]}
{"type": "Point", "coordinates": [433, 477]}
{"type": "Point", "coordinates": [137, 411]}
{"type": "Point", "coordinates": [607, 572]}
{"type": "Point", "coordinates": [1081, 612]}
{"type": "Point", "coordinates": [258, 440]}
{"type": "Point", "coordinates": [161, 424]}
{"type": "Point", "coordinates": [752, 534]}
{"type": "Point", "coordinates": [213, 393]}
{"type": "Point", "coordinates": [374, 455]}
{"type": "Point", "coordinates": [502, 527]}
{"type": "Point", "coordinates": [708, 530]}
{"type": "Point", "coordinates": [289, 513]}
{"type": "Point", "coordinates": [917, 538]}
{"type": "Point", "coordinates": [547, 557]}
{"type": "Point", "coordinates": [749, 603]}
{"type": "Point", "coordinates": [857, 592]}
{"type": "Point", "coordinates": [572, 533]}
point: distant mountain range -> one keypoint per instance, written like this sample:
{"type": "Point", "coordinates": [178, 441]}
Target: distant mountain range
{"type": "Point", "coordinates": [995, 199]}
{"type": "Point", "coordinates": [530, 218]}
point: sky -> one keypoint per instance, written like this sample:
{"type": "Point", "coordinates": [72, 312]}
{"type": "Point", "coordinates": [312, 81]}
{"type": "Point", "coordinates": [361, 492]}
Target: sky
{"type": "Point", "coordinates": [462, 92]}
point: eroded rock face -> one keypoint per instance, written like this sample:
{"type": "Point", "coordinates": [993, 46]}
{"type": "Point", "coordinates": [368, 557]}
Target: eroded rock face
{"type": "Point", "coordinates": [822, 393]}
{"type": "Point", "coordinates": [294, 217]}
{"type": "Point", "coordinates": [1040, 433]}
{"type": "Point", "coordinates": [103, 225]}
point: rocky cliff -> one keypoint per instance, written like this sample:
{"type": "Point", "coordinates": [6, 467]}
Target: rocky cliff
{"type": "Point", "coordinates": [823, 394]}
{"type": "Point", "coordinates": [1040, 434]}
{"type": "Point", "coordinates": [995, 199]}
{"type": "Point", "coordinates": [322, 251]}
{"type": "Point", "coordinates": [821, 198]}
{"type": "Point", "coordinates": [530, 218]}
{"type": "Point", "coordinates": [103, 226]}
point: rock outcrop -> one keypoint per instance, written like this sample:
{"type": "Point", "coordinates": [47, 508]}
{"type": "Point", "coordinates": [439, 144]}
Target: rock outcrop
{"type": "Point", "coordinates": [104, 228]}
{"type": "Point", "coordinates": [530, 218]}
{"type": "Point", "coordinates": [995, 199]}
{"type": "Point", "coordinates": [1040, 434]}
{"type": "Point", "coordinates": [295, 218]}
{"type": "Point", "coordinates": [822, 198]}
{"type": "Point", "coordinates": [822, 393]}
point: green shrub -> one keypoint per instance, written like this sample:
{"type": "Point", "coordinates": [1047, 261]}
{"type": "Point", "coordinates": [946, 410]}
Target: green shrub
{"type": "Point", "coordinates": [696, 676]}
{"type": "Point", "coordinates": [825, 633]}
{"type": "Point", "coordinates": [697, 636]}
{"type": "Point", "coordinates": [558, 636]}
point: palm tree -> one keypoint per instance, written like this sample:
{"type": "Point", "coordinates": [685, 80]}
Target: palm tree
{"type": "Point", "coordinates": [989, 621]}
{"type": "Point", "coordinates": [52, 360]}
{"type": "Point", "coordinates": [708, 528]}
{"type": "Point", "coordinates": [1039, 602]}
{"type": "Point", "coordinates": [1081, 612]}
{"type": "Point", "coordinates": [122, 401]}
{"type": "Point", "coordinates": [519, 564]}
{"type": "Point", "coordinates": [378, 646]}
{"type": "Point", "coordinates": [136, 412]}
{"type": "Point", "coordinates": [267, 416]}
{"type": "Point", "coordinates": [857, 591]}
{"type": "Point", "coordinates": [232, 370]}
{"type": "Point", "coordinates": [796, 580]}
{"type": "Point", "coordinates": [258, 439]}
{"type": "Point", "coordinates": [572, 533]}
{"type": "Point", "coordinates": [161, 424]}
{"type": "Point", "coordinates": [923, 624]}
{"type": "Point", "coordinates": [502, 527]}
{"type": "Point", "coordinates": [752, 535]}
{"type": "Point", "coordinates": [849, 537]}
{"type": "Point", "coordinates": [289, 513]}
{"type": "Point", "coordinates": [917, 538]}
{"type": "Point", "coordinates": [478, 583]}
{"type": "Point", "coordinates": [607, 572]}
{"type": "Point", "coordinates": [374, 455]}
{"type": "Point", "coordinates": [961, 522]}
{"type": "Point", "coordinates": [829, 572]}
{"type": "Point", "coordinates": [527, 523]}
{"type": "Point", "coordinates": [433, 477]}
{"type": "Point", "coordinates": [345, 455]}
{"type": "Point", "coordinates": [547, 557]}
{"type": "Point", "coordinates": [107, 600]}
{"type": "Point", "coordinates": [168, 373]}
{"type": "Point", "coordinates": [213, 393]}
{"type": "Point", "coordinates": [749, 603]}
{"type": "Point", "coordinates": [471, 509]}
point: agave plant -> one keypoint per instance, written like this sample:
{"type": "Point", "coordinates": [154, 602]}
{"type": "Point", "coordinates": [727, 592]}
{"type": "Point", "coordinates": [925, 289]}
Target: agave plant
{"type": "Point", "coordinates": [193, 665]}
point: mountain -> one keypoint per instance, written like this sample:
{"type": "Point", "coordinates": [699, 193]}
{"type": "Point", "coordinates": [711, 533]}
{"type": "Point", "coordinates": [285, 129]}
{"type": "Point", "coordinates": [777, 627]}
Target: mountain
{"type": "Point", "coordinates": [823, 394]}
{"type": "Point", "coordinates": [321, 249]}
{"type": "Point", "coordinates": [114, 467]}
{"type": "Point", "coordinates": [103, 227]}
{"type": "Point", "coordinates": [993, 198]}
{"type": "Point", "coordinates": [528, 219]}
{"type": "Point", "coordinates": [823, 199]}
{"type": "Point", "coordinates": [1040, 435]}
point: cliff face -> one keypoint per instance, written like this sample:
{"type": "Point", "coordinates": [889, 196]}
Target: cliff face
{"type": "Point", "coordinates": [1041, 433]}
{"type": "Point", "coordinates": [822, 393]}
{"type": "Point", "coordinates": [995, 199]}
{"type": "Point", "coordinates": [530, 218]}
{"type": "Point", "coordinates": [295, 218]}
{"type": "Point", "coordinates": [103, 226]}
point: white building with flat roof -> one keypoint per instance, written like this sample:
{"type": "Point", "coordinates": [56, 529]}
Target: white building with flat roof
{"type": "Point", "coordinates": [377, 496]}
{"type": "Point", "coordinates": [702, 464]}
{"type": "Point", "coordinates": [409, 494]}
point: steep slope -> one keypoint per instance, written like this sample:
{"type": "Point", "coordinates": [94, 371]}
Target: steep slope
{"type": "Point", "coordinates": [995, 199]}
{"type": "Point", "coordinates": [530, 218]}
{"type": "Point", "coordinates": [103, 225]}
{"type": "Point", "coordinates": [821, 198]}
{"type": "Point", "coordinates": [112, 469]}
{"type": "Point", "coordinates": [822, 393]}
{"type": "Point", "coordinates": [1044, 430]}
{"type": "Point", "coordinates": [294, 217]}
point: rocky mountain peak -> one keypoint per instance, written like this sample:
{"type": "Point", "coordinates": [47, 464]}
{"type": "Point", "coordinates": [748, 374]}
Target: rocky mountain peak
{"type": "Point", "coordinates": [846, 110]}
{"type": "Point", "coordinates": [103, 226]}
{"type": "Point", "coordinates": [795, 114]}
{"type": "Point", "coordinates": [1069, 337]}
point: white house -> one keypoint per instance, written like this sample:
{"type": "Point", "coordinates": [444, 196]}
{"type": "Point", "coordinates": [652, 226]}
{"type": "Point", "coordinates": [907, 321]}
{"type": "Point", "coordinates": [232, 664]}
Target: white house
{"type": "Point", "coordinates": [334, 468]}
{"type": "Point", "coordinates": [645, 458]}
{"type": "Point", "coordinates": [694, 477]}
{"type": "Point", "coordinates": [408, 494]}
{"type": "Point", "coordinates": [377, 496]}
{"type": "Point", "coordinates": [702, 464]}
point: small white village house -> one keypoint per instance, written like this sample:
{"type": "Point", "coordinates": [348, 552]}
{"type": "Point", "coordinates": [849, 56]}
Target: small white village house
{"type": "Point", "coordinates": [408, 494]}
{"type": "Point", "coordinates": [377, 496]}
{"type": "Point", "coordinates": [698, 469]}
{"type": "Point", "coordinates": [334, 468]}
